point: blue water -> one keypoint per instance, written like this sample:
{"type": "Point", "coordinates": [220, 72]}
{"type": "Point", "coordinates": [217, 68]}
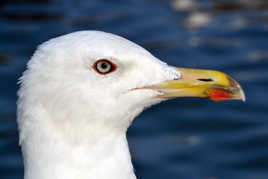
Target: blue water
{"type": "Point", "coordinates": [182, 138]}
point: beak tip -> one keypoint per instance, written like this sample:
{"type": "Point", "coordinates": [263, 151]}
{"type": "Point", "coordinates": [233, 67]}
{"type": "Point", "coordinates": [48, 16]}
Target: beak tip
{"type": "Point", "coordinates": [243, 96]}
{"type": "Point", "coordinates": [237, 89]}
{"type": "Point", "coordinates": [241, 93]}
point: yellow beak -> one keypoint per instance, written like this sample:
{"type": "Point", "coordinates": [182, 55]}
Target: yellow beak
{"type": "Point", "coordinates": [201, 83]}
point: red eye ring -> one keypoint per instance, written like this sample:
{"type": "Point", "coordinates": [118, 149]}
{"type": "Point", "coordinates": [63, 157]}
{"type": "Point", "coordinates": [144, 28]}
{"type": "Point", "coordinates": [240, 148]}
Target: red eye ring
{"type": "Point", "coordinates": [104, 66]}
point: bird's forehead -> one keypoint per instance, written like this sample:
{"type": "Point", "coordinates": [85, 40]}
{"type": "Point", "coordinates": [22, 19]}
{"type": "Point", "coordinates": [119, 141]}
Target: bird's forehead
{"type": "Point", "coordinates": [112, 45]}
{"type": "Point", "coordinates": [100, 44]}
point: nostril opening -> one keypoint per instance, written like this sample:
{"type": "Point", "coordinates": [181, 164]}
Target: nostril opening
{"type": "Point", "coordinates": [205, 79]}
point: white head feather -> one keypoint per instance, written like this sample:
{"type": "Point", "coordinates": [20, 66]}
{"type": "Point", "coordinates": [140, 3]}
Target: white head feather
{"type": "Point", "coordinates": [72, 120]}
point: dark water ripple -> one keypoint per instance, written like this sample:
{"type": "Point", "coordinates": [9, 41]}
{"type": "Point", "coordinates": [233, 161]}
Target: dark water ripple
{"type": "Point", "coordinates": [182, 138]}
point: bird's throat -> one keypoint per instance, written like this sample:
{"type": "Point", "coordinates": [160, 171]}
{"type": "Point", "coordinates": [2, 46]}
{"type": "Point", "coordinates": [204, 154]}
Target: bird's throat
{"type": "Point", "coordinates": [47, 156]}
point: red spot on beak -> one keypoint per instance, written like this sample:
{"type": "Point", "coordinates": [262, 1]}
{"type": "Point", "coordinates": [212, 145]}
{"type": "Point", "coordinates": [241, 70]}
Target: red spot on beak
{"type": "Point", "coordinates": [219, 95]}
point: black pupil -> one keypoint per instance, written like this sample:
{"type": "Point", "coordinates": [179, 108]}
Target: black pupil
{"type": "Point", "coordinates": [104, 65]}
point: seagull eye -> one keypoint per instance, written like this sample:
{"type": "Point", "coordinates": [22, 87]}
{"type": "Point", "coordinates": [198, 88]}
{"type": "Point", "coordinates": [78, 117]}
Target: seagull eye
{"type": "Point", "coordinates": [104, 66]}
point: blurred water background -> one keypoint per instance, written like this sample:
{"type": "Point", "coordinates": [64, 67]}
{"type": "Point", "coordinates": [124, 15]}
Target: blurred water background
{"type": "Point", "coordinates": [178, 139]}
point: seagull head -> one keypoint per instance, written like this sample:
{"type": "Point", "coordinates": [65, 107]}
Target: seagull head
{"type": "Point", "coordinates": [92, 78]}
{"type": "Point", "coordinates": [80, 93]}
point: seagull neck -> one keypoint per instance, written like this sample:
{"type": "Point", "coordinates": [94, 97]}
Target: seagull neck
{"type": "Point", "coordinates": [48, 155]}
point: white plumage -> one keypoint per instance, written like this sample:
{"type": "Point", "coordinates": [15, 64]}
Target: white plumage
{"type": "Point", "coordinates": [72, 120]}
{"type": "Point", "coordinates": [81, 92]}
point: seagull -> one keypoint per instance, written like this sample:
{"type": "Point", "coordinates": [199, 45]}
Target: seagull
{"type": "Point", "coordinates": [80, 93]}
